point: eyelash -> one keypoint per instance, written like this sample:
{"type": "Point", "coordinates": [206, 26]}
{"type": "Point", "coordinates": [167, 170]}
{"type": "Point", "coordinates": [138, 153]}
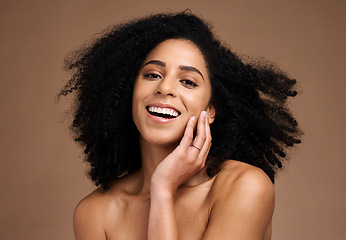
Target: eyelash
{"type": "Point", "coordinates": [187, 82]}
{"type": "Point", "coordinates": [152, 75]}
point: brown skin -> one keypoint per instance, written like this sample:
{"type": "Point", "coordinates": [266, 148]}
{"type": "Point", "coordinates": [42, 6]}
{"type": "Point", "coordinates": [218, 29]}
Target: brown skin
{"type": "Point", "coordinates": [122, 212]}
{"type": "Point", "coordinates": [171, 196]}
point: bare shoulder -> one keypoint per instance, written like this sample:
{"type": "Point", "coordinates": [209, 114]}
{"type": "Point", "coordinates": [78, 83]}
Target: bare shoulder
{"type": "Point", "coordinates": [242, 203]}
{"type": "Point", "coordinates": [87, 220]}
{"type": "Point", "coordinates": [241, 177]}
{"type": "Point", "coordinates": [92, 205]}
{"type": "Point", "coordinates": [93, 212]}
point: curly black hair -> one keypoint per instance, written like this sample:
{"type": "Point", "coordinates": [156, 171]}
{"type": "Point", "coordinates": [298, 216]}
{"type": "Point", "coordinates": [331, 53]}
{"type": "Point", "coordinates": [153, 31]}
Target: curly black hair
{"type": "Point", "coordinates": [252, 123]}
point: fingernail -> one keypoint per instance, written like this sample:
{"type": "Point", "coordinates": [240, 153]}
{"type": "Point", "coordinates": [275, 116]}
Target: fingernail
{"type": "Point", "coordinates": [193, 119]}
{"type": "Point", "coordinates": [205, 114]}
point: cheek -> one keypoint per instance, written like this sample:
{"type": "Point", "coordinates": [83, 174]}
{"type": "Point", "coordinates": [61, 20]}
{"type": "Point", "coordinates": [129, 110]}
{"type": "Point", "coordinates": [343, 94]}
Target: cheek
{"type": "Point", "coordinates": [198, 102]}
{"type": "Point", "coordinates": [138, 91]}
{"type": "Point", "coordinates": [136, 99]}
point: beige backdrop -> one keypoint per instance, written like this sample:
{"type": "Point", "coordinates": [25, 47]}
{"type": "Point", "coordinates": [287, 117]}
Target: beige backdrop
{"type": "Point", "coordinates": [42, 173]}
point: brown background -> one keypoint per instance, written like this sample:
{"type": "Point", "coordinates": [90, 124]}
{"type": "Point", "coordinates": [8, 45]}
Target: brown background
{"type": "Point", "coordinates": [42, 174]}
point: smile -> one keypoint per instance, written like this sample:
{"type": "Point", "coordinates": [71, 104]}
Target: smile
{"type": "Point", "coordinates": [163, 112]}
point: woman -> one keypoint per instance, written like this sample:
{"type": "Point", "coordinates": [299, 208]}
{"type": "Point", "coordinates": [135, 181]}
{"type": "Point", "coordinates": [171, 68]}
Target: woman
{"type": "Point", "coordinates": [160, 175]}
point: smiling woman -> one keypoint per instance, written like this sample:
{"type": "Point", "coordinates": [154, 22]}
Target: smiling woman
{"type": "Point", "coordinates": [150, 95]}
{"type": "Point", "coordinates": [169, 89]}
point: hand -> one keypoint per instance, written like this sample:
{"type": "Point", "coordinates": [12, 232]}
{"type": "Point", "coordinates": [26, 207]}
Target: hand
{"type": "Point", "coordinates": [186, 160]}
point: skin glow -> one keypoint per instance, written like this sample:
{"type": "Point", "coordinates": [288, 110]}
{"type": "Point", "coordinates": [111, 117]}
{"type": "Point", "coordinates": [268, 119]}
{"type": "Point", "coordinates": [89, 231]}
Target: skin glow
{"type": "Point", "coordinates": [174, 77]}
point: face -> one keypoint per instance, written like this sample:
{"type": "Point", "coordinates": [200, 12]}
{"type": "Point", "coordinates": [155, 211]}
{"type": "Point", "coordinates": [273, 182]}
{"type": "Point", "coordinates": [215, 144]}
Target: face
{"type": "Point", "coordinates": [172, 85]}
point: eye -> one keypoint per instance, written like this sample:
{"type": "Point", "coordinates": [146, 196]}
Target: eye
{"type": "Point", "coordinates": [152, 76]}
{"type": "Point", "coordinates": [188, 83]}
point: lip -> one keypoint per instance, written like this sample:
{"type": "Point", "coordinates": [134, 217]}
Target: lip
{"type": "Point", "coordinates": [160, 119]}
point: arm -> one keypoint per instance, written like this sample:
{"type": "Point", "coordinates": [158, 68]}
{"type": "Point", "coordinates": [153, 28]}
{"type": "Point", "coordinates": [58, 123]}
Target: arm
{"type": "Point", "coordinates": [243, 205]}
{"type": "Point", "coordinates": [243, 195]}
{"type": "Point", "coordinates": [174, 170]}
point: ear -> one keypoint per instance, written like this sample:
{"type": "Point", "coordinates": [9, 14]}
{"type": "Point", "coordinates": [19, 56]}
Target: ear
{"type": "Point", "coordinates": [211, 112]}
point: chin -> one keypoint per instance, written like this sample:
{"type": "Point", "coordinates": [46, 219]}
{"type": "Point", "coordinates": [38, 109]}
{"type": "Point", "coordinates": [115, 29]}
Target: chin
{"type": "Point", "coordinates": [163, 139]}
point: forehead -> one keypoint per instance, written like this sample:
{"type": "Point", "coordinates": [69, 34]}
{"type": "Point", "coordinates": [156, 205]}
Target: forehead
{"type": "Point", "coordinates": [179, 52]}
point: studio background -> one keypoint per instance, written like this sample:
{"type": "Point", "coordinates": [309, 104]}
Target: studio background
{"type": "Point", "coordinates": [42, 174]}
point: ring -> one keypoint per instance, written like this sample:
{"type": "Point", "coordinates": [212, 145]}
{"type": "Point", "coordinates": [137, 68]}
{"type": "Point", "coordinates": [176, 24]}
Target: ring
{"type": "Point", "coordinates": [196, 147]}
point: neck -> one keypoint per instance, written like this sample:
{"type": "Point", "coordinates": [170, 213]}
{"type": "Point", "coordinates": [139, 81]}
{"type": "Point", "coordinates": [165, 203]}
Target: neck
{"type": "Point", "coordinates": [151, 156]}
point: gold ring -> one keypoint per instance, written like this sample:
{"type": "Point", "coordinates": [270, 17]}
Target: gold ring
{"type": "Point", "coordinates": [196, 147]}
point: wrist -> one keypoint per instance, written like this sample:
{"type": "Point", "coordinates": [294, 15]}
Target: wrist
{"type": "Point", "coordinates": [160, 190]}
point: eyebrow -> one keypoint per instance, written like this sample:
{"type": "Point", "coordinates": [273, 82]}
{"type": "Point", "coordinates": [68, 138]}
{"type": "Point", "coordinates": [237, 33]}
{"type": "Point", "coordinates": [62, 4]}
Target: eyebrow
{"type": "Point", "coordinates": [156, 62]}
{"type": "Point", "coordinates": [184, 68]}
{"type": "Point", "coordinates": [189, 68]}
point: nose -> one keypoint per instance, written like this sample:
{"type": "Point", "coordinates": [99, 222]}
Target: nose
{"type": "Point", "coordinates": [166, 87]}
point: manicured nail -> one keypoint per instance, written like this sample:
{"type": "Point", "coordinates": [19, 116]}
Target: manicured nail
{"type": "Point", "coordinates": [193, 119]}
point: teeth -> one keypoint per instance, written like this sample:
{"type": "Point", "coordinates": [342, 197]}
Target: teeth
{"type": "Point", "coordinates": [166, 111]}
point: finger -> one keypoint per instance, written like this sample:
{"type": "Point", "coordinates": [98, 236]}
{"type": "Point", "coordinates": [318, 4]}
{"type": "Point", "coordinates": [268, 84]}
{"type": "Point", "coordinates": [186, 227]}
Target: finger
{"type": "Point", "coordinates": [185, 142]}
{"type": "Point", "coordinates": [207, 143]}
{"type": "Point", "coordinates": [200, 138]}
{"type": "Point", "coordinates": [204, 155]}
{"type": "Point", "coordinates": [208, 132]}
{"type": "Point", "coordinates": [207, 153]}
{"type": "Point", "coordinates": [206, 148]}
